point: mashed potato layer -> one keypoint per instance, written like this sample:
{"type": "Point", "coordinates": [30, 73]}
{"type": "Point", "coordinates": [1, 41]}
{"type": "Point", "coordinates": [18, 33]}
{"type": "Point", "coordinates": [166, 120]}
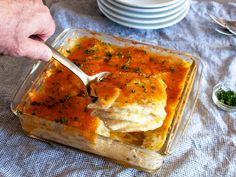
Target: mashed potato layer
{"type": "Point", "coordinates": [130, 102]}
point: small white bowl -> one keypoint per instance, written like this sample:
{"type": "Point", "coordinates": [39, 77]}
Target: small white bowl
{"type": "Point", "coordinates": [227, 85]}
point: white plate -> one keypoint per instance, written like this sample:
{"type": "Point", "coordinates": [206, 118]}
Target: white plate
{"type": "Point", "coordinates": [120, 11]}
{"type": "Point", "coordinates": [142, 21]}
{"type": "Point", "coordinates": [149, 26]}
{"type": "Point", "coordinates": [147, 3]}
{"type": "Point", "coordinates": [143, 10]}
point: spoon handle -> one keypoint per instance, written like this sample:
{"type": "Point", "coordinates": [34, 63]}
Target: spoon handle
{"type": "Point", "coordinates": [70, 65]}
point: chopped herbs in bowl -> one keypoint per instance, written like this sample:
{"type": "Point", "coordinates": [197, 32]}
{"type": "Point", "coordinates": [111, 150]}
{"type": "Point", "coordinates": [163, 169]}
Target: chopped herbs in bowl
{"type": "Point", "coordinates": [224, 95]}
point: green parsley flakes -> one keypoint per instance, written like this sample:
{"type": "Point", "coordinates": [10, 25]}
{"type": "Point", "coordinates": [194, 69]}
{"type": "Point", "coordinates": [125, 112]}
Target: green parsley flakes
{"type": "Point", "coordinates": [226, 97]}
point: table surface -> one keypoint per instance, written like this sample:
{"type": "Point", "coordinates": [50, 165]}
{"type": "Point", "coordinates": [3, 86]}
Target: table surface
{"type": "Point", "coordinates": [209, 146]}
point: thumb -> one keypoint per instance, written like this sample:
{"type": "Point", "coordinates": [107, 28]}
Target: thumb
{"type": "Point", "coordinates": [35, 49]}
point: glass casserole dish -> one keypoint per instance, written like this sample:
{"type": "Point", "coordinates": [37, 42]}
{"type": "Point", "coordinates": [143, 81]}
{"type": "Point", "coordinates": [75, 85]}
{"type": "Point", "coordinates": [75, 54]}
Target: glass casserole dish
{"type": "Point", "coordinates": [129, 149]}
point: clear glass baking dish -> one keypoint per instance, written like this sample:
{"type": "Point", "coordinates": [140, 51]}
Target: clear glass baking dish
{"type": "Point", "coordinates": [124, 153]}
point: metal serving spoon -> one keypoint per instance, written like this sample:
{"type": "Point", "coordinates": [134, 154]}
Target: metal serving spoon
{"type": "Point", "coordinates": [227, 24]}
{"type": "Point", "coordinates": [87, 80]}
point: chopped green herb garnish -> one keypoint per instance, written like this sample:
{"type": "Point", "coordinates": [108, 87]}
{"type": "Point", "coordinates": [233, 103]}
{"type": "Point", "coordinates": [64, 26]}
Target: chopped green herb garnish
{"type": "Point", "coordinates": [62, 100]}
{"type": "Point", "coordinates": [151, 59]}
{"type": "Point", "coordinates": [76, 118]}
{"type": "Point", "coordinates": [76, 63]}
{"type": "Point", "coordinates": [106, 60]}
{"type": "Point", "coordinates": [227, 97]}
{"type": "Point", "coordinates": [171, 69]}
{"type": "Point", "coordinates": [60, 70]}
{"type": "Point", "coordinates": [63, 120]}
{"type": "Point", "coordinates": [124, 67]}
{"type": "Point", "coordinates": [138, 69]}
{"type": "Point", "coordinates": [19, 112]}
{"type": "Point", "coordinates": [52, 98]}
{"type": "Point", "coordinates": [129, 60]}
{"type": "Point", "coordinates": [78, 46]}
{"type": "Point", "coordinates": [89, 51]}
{"type": "Point", "coordinates": [142, 74]}
{"type": "Point", "coordinates": [95, 91]}
{"type": "Point", "coordinates": [145, 91]}
{"type": "Point", "coordinates": [108, 57]}
{"type": "Point", "coordinates": [68, 51]}
{"type": "Point", "coordinates": [153, 87]}
{"type": "Point", "coordinates": [85, 60]}
{"type": "Point", "coordinates": [133, 91]}
{"type": "Point", "coordinates": [83, 94]}
{"type": "Point", "coordinates": [67, 97]}
{"type": "Point", "coordinates": [35, 103]}
{"type": "Point", "coordinates": [104, 44]}
{"type": "Point", "coordinates": [109, 54]}
{"type": "Point", "coordinates": [120, 54]}
{"type": "Point", "coordinates": [50, 106]}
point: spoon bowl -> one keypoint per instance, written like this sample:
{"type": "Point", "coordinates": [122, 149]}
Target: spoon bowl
{"type": "Point", "coordinates": [87, 80]}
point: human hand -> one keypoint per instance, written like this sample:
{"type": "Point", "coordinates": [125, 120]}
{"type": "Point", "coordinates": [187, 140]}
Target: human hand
{"type": "Point", "coordinates": [21, 19]}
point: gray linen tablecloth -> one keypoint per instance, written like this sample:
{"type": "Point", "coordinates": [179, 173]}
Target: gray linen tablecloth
{"type": "Point", "coordinates": [209, 145]}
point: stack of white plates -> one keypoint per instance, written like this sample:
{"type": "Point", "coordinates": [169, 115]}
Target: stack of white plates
{"type": "Point", "coordinates": [145, 14]}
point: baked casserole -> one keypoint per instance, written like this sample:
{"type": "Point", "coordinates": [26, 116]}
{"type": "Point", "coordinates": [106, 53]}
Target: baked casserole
{"type": "Point", "coordinates": [136, 106]}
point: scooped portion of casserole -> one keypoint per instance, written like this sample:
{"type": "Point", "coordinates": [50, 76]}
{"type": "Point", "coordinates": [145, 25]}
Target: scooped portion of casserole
{"type": "Point", "coordinates": [128, 102]}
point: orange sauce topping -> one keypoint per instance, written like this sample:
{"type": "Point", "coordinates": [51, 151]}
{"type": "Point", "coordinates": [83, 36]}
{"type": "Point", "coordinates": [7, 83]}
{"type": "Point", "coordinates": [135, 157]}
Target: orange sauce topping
{"type": "Point", "coordinates": [62, 97]}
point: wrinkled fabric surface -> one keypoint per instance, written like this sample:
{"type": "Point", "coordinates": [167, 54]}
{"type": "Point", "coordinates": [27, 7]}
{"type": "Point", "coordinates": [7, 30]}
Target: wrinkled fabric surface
{"type": "Point", "coordinates": [209, 146]}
